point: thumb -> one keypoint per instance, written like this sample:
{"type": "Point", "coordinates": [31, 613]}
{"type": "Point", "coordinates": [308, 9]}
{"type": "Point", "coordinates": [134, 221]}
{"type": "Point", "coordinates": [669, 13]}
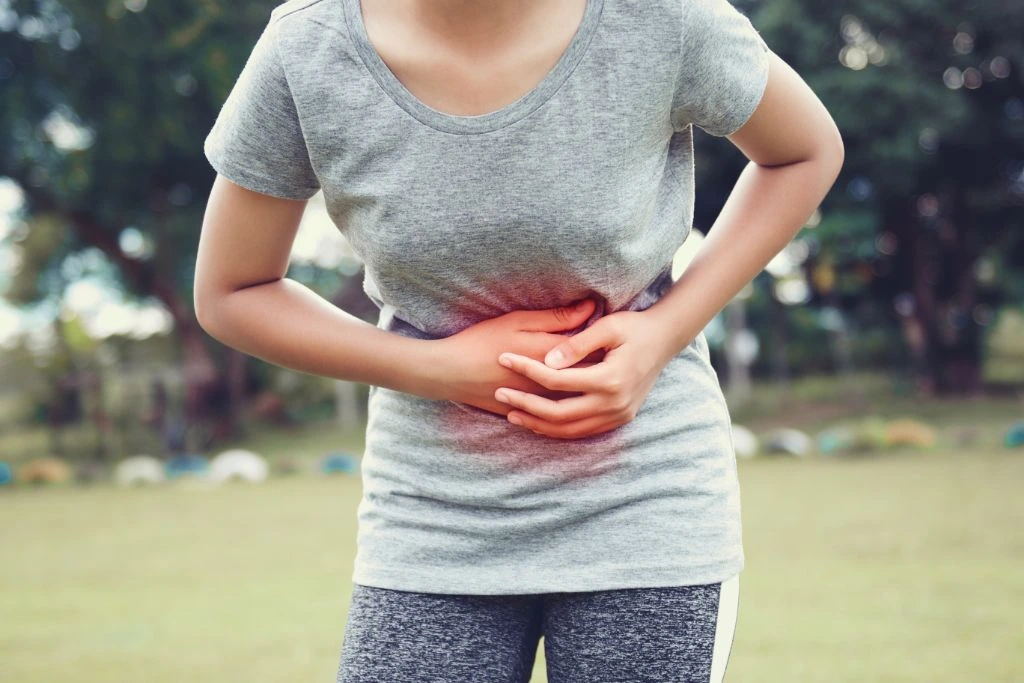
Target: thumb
{"type": "Point", "coordinates": [560, 318]}
{"type": "Point", "coordinates": [579, 346]}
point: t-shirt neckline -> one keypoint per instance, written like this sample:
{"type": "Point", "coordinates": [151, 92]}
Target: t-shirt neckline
{"type": "Point", "coordinates": [481, 123]}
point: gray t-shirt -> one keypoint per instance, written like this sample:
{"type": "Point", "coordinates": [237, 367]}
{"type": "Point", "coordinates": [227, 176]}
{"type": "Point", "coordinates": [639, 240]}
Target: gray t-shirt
{"type": "Point", "coordinates": [582, 187]}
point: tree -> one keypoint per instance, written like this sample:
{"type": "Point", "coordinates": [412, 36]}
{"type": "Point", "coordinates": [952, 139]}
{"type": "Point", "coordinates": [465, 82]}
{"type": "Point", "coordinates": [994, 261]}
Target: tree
{"type": "Point", "coordinates": [103, 111]}
{"type": "Point", "coordinates": [925, 218]}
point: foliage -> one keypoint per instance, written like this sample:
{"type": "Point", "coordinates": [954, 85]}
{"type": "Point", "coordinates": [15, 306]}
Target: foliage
{"type": "Point", "coordinates": [926, 218]}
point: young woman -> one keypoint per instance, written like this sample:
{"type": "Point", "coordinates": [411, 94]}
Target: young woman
{"type": "Point", "coordinates": [494, 163]}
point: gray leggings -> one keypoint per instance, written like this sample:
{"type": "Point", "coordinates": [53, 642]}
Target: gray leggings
{"type": "Point", "coordinates": [670, 634]}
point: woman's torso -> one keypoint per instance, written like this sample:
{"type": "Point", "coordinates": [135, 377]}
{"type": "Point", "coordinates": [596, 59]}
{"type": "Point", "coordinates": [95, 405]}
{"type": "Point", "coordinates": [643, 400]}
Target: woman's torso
{"type": "Point", "coordinates": [580, 187]}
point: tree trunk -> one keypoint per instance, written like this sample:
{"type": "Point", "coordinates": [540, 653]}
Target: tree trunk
{"type": "Point", "coordinates": [738, 387]}
{"type": "Point", "coordinates": [206, 388]}
{"type": "Point", "coordinates": [231, 424]}
{"type": "Point", "coordinates": [943, 338]}
{"type": "Point", "coordinates": [779, 360]}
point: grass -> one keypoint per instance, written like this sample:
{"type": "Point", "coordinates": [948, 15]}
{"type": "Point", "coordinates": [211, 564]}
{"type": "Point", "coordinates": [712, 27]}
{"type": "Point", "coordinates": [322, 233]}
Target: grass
{"type": "Point", "coordinates": [905, 566]}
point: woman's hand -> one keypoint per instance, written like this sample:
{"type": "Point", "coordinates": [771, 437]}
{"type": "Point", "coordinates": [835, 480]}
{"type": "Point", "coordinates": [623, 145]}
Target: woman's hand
{"type": "Point", "coordinates": [472, 373]}
{"type": "Point", "coordinates": [613, 390]}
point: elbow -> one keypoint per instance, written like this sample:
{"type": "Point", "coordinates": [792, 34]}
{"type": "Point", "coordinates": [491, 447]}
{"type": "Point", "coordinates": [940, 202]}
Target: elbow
{"type": "Point", "coordinates": [208, 298]}
{"type": "Point", "coordinates": [840, 148]}
{"type": "Point", "coordinates": [836, 150]}
{"type": "Point", "coordinates": [829, 154]}
{"type": "Point", "coordinates": [201, 306]}
{"type": "Point", "coordinates": [204, 303]}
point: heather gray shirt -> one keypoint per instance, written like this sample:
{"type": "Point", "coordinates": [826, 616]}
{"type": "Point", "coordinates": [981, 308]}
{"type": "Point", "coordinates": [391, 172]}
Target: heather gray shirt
{"type": "Point", "coordinates": [582, 187]}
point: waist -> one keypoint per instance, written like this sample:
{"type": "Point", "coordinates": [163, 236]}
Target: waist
{"type": "Point", "coordinates": [438, 325]}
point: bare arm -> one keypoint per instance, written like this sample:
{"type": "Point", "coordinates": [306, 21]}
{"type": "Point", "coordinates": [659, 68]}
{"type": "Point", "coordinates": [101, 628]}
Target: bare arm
{"type": "Point", "coordinates": [243, 299]}
{"type": "Point", "coordinates": [795, 153]}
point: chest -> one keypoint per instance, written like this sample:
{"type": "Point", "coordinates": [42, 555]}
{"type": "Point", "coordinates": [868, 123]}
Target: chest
{"type": "Point", "coordinates": [463, 72]}
{"type": "Point", "coordinates": [573, 176]}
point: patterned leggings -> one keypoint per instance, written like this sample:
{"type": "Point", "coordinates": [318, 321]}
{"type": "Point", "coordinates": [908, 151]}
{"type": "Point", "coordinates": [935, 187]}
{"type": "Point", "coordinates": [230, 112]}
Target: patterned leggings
{"type": "Point", "coordinates": [634, 635]}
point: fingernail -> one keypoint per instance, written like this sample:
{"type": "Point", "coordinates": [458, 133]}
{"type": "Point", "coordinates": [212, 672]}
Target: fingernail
{"type": "Point", "coordinates": [505, 360]}
{"type": "Point", "coordinates": [555, 358]}
{"type": "Point", "coordinates": [515, 419]}
{"type": "Point", "coordinates": [502, 395]}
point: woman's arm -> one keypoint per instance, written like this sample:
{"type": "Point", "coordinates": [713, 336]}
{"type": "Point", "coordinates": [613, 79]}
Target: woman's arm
{"type": "Point", "coordinates": [796, 153]}
{"type": "Point", "coordinates": [243, 299]}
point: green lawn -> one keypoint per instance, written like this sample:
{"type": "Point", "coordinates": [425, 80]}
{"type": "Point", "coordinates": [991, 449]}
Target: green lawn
{"type": "Point", "coordinates": [906, 566]}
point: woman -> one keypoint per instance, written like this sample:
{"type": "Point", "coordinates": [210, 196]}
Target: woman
{"type": "Point", "coordinates": [492, 164]}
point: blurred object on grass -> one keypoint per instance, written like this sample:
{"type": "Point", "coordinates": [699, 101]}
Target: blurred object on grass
{"type": "Point", "coordinates": [139, 470]}
{"type": "Point", "coordinates": [238, 464]}
{"type": "Point", "coordinates": [46, 470]}
{"type": "Point", "coordinates": [744, 441]}
{"type": "Point", "coordinates": [835, 440]}
{"type": "Point", "coordinates": [908, 432]}
{"type": "Point", "coordinates": [787, 440]}
{"type": "Point", "coordinates": [187, 466]}
{"type": "Point", "coordinates": [339, 463]}
{"type": "Point", "coordinates": [1015, 435]}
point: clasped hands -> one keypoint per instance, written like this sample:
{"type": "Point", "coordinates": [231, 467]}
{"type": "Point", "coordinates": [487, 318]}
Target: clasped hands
{"type": "Point", "coordinates": [588, 383]}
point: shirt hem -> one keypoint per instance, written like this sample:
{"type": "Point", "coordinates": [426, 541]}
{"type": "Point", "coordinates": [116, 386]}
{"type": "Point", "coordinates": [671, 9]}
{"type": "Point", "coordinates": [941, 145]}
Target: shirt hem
{"type": "Point", "coordinates": [511, 582]}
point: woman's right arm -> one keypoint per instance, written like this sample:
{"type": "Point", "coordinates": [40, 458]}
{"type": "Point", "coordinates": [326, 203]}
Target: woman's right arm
{"type": "Point", "coordinates": [243, 299]}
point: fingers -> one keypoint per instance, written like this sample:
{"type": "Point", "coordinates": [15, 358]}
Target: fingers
{"type": "Point", "coordinates": [593, 378]}
{"type": "Point", "coordinates": [560, 411]}
{"type": "Point", "coordinates": [566, 430]}
{"type": "Point", "coordinates": [603, 334]}
{"type": "Point", "coordinates": [541, 343]}
{"type": "Point", "coordinates": [554, 319]}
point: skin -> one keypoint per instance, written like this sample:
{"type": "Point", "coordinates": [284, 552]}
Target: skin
{"type": "Point", "coordinates": [795, 153]}
{"type": "Point", "coordinates": [467, 57]}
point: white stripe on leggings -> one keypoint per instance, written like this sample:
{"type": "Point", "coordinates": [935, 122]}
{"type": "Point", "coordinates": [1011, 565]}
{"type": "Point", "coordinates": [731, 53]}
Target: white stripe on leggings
{"type": "Point", "coordinates": [725, 627]}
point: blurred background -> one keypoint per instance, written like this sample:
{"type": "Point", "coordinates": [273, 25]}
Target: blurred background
{"type": "Point", "coordinates": [171, 508]}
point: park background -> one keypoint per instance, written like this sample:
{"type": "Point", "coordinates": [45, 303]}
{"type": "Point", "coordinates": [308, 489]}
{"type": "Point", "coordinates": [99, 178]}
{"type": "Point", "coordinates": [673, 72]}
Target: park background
{"type": "Point", "coordinates": [874, 370]}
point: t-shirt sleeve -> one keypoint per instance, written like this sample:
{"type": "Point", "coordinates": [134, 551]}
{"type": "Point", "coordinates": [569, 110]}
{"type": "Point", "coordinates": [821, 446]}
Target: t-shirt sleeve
{"type": "Point", "coordinates": [723, 68]}
{"type": "Point", "coordinates": [257, 140]}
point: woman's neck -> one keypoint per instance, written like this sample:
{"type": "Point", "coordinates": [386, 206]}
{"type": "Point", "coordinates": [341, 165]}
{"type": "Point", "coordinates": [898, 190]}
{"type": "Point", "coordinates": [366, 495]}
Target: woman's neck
{"type": "Point", "coordinates": [478, 24]}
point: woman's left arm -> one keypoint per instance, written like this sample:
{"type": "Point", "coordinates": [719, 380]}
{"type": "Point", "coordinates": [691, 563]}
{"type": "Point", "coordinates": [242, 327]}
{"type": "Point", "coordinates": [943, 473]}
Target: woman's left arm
{"type": "Point", "coordinates": [796, 153]}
